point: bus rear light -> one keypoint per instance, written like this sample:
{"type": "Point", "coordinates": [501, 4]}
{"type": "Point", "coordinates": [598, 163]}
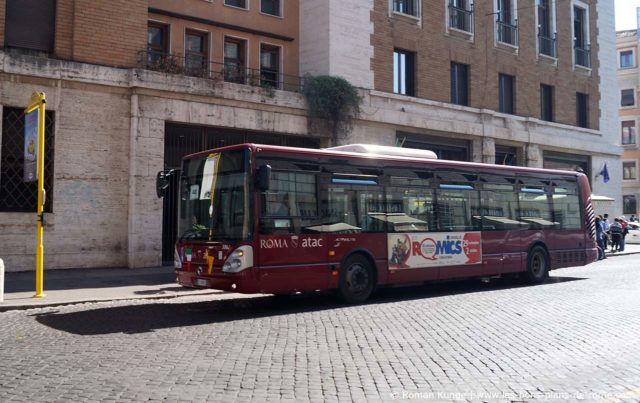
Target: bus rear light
{"type": "Point", "coordinates": [240, 259]}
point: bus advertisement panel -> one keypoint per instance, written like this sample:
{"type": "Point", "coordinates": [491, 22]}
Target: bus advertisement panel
{"type": "Point", "coordinates": [410, 251]}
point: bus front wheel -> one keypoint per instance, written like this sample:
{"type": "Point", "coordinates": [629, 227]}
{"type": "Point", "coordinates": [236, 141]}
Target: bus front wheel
{"type": "Point", "coordinates": [537, 265]}
{"type": "Point", "coordinates": [357, 280]}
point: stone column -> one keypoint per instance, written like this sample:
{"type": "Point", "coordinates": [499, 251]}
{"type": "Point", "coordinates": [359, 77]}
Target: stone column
{"type": "Point", "coordinates": [488, 150]}
{"type": "Point", "coordinates": [534, 156]}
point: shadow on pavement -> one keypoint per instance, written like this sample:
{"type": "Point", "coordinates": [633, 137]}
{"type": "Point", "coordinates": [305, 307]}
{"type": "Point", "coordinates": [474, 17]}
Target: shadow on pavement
{"type": "Point", "coordinates": [140, 318]}
{"type": "Point", "coordinates": [70, 279]}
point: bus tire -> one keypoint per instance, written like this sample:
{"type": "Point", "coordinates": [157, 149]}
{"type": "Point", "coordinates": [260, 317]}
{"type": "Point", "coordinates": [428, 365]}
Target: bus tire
{"type": "Point", "coordinates": [537, 265]}
{"type": "Point", "coordinates": [357, 280]}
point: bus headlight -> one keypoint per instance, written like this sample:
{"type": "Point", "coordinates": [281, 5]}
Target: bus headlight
{"type": "Point", "coordinates": [238, 260]}
{"type": "Point", "coordinates": [177, 263]}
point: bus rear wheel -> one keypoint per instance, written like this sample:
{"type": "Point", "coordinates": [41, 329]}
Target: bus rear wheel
{"type": "Point", "coordinates": [357, 280]}
{"type": "Point", "coordinates": [537, 265]}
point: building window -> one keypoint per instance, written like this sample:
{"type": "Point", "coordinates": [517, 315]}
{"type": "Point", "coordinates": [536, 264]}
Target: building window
{"type": "Point", "coordinates": [629, 204]}
{"type": "Point", "coordinates": [505, 89]}
{"type": "Point", "coordinates": [566, 162]}
{"type": "Point", "coordinates": [15, 194]}
{"type": "Point", "coordinates": [626, 59]}
{"type": "Point", "coordinates": [506, 15]}
{"type": "Point", "coordinates": [628, 132]}
{"type": "Point", "coordinates": [269, 66]}
{"type": "Point", "coordinates": [236, 3]}
{"type": "Point", "coordinates": [582, 109]}
{"type": "Point", "coordinates": [271, 7]}
{"type": "Point", "coordinates": [581, 37]}
{"type": "Point", "coordinates": [629, 170]}
{"type": "Point", "coordinates": [409, 7]}
{"type": "Point", "coordinates": [157, 44]}
{"type": "Point", "coordinates": [506, 156]}
{"type": "Point", "coordinates": [546, 28]}
{"type": "Point", "coordinates": [404, 72]}
{"type": "Point", "coordinates": [196, 61]}
{"type": "Point", "coordinates": [234, 60]}
{"type": "Point", "coordinates": [445, 148]}
{"type": "Point", "coordinates": [460, 84]}
{"type": "Point", "coordinates": [461, 15]}
{"type": "Point", "coordinates": [627, 97]}
{"type": "Point", "coordinates": [546, 102]}
{"type": "Point", "coordinates": [30, 24]}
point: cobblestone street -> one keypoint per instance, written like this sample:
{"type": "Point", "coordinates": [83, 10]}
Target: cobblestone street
{"type": "Point", "coordinates": [575, 337]}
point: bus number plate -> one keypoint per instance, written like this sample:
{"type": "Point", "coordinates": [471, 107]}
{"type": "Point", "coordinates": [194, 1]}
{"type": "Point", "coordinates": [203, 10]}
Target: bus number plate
{"type": "Point", "coordinates": [200, 282]}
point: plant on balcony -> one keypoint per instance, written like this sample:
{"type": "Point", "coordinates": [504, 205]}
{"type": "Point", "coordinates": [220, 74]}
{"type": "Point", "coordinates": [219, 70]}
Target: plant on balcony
{"type": "Point", "coordinates": [334, 100]}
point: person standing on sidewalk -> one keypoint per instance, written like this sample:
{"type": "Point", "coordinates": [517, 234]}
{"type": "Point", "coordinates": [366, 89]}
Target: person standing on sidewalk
{"type": "Point", "coordinates": [600, 238]}
{"type": "Point", "coordinates": [605, 225]}
{"type": "Point", "coordinates": [625, 231]}
{"type": "Point", "coordinates": [615, 230]}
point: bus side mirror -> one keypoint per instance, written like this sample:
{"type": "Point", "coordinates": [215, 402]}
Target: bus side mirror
{"type": "Point", "coordinates": [162, 183]}
{"type": "Point", "coordinates": [264, 177]}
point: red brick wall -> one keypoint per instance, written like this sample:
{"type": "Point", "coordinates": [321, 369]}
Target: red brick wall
{"type": "Point", "coordinates": [110, 32]}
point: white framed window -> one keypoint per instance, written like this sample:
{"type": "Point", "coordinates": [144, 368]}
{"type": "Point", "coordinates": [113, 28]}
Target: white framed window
{"type": "Point", "coordinates": [629, 170]}
{"type": "Point", "coordinates": [244, 4]}
{"type": "Point", "coordinates": [627, 97]}
{"type": "Point", "coordinates": [407, 7]}
{"type": "Point", "coordinates": [459, 15]}
{"type": "Point", "coordinates": [626, 58]}
{"type": "Point", "coordinates": [271, 7]}
{"type": "Point", "coordinates": [546, 26]}
{"type": "Point", "coordinates": [581, 33]}
{"type": "Point", "coordinates": [271, 65]}
{"type": "Point", "coordinates": [629, 132]}
{"type": "Point", "coordinates": [197, 51]}
{"type": "Point", "coordinates": [236, 59]}
{"type": "Point", "coordinates": [506, 28]}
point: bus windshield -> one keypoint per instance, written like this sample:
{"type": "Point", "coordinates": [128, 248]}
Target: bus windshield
{"type": "Point", "coordinates": [214, 198]}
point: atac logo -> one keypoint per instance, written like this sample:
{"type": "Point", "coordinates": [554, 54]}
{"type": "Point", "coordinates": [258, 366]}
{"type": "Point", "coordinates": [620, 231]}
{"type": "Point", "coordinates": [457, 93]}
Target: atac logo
{"type": "Point", "coordinates": [294, 242]}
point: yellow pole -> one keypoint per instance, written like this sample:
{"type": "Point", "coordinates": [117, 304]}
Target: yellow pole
{"type": "Point", "coordinates": [38, 101]}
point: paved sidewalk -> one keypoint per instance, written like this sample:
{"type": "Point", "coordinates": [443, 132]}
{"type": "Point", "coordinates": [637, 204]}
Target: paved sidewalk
{"type": "Point", "coordinates": [73, 286]}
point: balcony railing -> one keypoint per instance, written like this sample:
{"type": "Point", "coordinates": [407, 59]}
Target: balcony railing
{"type": "Point", "coordinates": [460, 18]}
{"type": "Point", "coordinates": [507, 33]}
{"type": "Point", "coordinates": [195, 66]}
{"type": "Point", "coordinates": [583, 56]}
{"type": "Point", "coordinates": [547, 45]}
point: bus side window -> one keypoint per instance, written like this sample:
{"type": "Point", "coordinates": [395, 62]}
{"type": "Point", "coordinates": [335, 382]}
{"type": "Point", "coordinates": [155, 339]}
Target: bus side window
{"type": "Point", "coordinates": [454, 210]}
{"type": "Point", "coordinates": [498, 210]}
{"type": "Point", "coordinates": [412, 206]}
{"type": "Point", "coordinates": [289, 204]}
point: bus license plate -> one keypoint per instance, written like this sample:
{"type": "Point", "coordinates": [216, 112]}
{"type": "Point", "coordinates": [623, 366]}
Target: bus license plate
{"type": "Point", "coordinates": [200, 282]}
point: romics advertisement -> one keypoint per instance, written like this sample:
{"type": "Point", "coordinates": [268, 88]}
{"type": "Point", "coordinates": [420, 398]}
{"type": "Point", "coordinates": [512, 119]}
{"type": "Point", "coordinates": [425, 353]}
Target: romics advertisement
{"type": "Point", "coordinates": [415, 250]}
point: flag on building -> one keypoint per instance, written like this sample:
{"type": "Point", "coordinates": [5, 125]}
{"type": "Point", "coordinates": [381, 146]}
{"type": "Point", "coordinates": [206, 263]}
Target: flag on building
{"type": "Point", "coordinates": [604, 172]}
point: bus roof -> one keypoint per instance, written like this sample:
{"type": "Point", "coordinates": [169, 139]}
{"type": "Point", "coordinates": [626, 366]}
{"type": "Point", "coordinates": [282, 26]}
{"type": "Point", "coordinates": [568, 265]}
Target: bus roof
{"type": "Point", "coordinates": [341, 152]}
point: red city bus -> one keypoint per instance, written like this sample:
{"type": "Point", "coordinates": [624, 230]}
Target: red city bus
{"type": "Point", "coordinates": [268, 219]}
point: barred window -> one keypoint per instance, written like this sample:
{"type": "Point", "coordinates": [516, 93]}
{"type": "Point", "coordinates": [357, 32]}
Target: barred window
{"type": "Point", "coordinates": [15, 194]}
